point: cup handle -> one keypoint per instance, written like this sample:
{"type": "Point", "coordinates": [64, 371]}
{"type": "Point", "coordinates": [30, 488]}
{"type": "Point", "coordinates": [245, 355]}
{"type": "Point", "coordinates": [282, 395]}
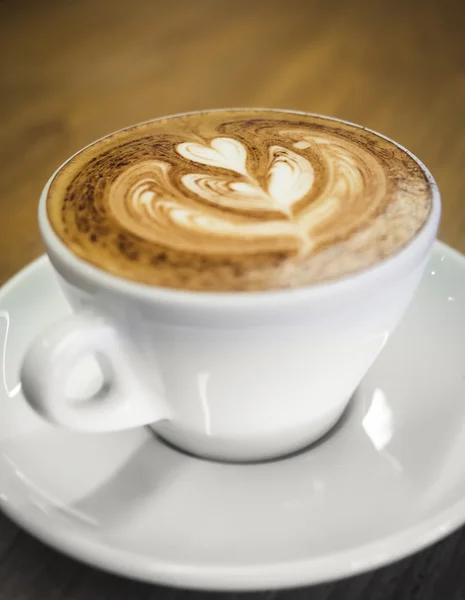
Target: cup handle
{"type": "Point", "coordinates": [122, 402]}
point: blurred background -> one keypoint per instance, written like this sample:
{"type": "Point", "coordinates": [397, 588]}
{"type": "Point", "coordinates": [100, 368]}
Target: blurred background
{"type": "Point", "coordinates": [71, 72]}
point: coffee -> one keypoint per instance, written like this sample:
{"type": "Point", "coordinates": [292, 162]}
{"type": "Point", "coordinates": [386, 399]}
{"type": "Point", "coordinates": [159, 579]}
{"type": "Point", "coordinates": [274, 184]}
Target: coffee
{"type": "Point", "coordinates": [238, 200]}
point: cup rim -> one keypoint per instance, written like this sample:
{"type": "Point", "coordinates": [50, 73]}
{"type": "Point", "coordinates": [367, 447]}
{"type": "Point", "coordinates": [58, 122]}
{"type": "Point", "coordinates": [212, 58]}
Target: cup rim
{"type": "Point", "coordinates": [423, 239]}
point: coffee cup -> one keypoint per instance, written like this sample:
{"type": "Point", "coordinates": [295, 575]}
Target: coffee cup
{"type": "Point", "coordinates": [224, 374]}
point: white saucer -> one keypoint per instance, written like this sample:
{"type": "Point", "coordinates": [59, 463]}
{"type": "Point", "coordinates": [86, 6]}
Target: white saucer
{"type": "Point", "coordinates": [389, 480]}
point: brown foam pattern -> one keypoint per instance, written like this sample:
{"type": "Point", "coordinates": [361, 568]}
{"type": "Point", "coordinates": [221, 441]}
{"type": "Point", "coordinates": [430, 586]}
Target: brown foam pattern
{"type": "Point", "coordinates": [238, 200]}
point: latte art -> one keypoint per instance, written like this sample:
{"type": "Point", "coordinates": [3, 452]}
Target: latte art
{"type": "Point", "coordinates": [231, 209]}
{"type": "Point", "coordinates": [238, 200]}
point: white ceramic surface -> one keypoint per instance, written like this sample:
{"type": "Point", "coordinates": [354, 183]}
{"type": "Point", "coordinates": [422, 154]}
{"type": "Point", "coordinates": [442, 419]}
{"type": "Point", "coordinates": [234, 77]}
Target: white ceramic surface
{"type": "Point", "coordinates": [232, 376]}
{"type": "Point", "coordinates": [387, 481]}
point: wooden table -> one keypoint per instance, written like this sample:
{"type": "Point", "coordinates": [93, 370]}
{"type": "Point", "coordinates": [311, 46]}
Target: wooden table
{"type": "Point", "coordinates": [73, 71]}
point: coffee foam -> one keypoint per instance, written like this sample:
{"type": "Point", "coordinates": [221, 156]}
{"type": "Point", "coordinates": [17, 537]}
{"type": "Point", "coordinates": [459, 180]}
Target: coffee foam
{"type": "Point", "coordinates": [238, 200]}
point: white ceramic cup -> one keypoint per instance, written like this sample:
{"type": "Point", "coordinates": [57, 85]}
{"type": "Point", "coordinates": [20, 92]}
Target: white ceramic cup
{"type": "Point", "coordinates": [233, 376]}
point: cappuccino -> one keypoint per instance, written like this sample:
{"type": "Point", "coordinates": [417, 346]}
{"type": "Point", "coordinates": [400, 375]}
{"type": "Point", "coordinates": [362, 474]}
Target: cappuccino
{"type": "Point", "coordinates": [238, 200]}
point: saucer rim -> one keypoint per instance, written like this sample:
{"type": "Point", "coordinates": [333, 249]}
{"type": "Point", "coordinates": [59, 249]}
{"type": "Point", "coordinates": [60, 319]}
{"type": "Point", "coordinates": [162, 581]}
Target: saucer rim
{"type": "Point", "coordinates": [237, 577]}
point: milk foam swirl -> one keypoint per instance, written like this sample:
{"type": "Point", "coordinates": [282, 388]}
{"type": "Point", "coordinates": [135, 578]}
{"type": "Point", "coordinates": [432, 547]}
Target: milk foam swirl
{"type": "Point", "coordinates": [238, 200]}
{"type": "Point", "coordinates": [234, 208]}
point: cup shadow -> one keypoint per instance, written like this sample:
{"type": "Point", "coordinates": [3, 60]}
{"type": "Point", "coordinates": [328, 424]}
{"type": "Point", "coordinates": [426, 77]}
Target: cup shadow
{"type": "Point", "coordinates": [155, 465]}
{"type": "Point", "coordinates": [149, 470]}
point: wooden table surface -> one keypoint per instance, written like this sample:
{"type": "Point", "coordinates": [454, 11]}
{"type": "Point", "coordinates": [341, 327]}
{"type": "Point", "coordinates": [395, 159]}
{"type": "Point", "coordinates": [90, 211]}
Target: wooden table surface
{"type": "Point", "coordinates": [73, 71]}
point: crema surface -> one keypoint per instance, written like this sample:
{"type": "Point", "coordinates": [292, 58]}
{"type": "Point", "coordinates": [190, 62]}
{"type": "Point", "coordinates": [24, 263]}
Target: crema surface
{"type": "Point", "coordinates": [238, 200]}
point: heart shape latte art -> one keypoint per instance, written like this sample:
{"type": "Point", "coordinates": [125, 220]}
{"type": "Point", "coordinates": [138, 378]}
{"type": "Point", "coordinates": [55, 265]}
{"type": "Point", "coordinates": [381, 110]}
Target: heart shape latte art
{"type": "Point", "coordinates": [234, 206]}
